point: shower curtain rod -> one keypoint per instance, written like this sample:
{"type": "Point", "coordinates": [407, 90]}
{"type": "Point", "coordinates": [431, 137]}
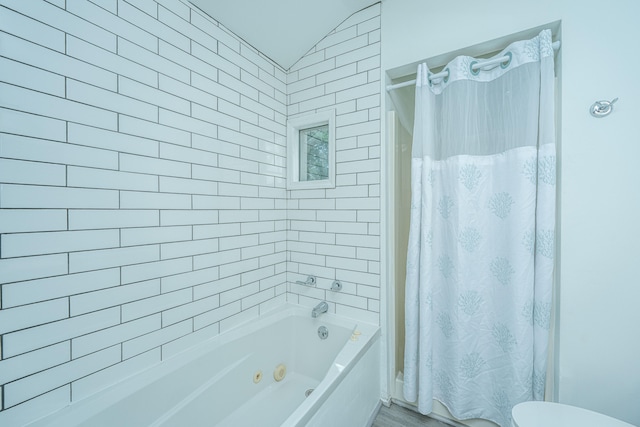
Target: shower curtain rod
{"type": "Point", "coordinates": [474, 67]}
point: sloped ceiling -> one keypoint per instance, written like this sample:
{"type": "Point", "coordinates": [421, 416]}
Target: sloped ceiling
{"type": "Point", "coordinates": [283, 30]}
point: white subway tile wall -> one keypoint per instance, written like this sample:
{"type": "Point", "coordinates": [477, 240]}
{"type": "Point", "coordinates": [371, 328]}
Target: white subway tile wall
{"type": "Point", "coordinates": [142, 188]}
{"type": "Point", "coordinates": [334, 233]}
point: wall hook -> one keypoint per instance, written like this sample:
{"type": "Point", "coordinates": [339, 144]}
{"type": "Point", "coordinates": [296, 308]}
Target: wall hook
{"type": "Point", "coordinates": [602, 108]}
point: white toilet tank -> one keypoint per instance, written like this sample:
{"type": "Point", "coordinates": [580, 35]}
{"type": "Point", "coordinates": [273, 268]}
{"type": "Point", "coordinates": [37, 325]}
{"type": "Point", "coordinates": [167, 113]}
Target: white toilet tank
{"type": "Point", "coordinates": [548, 414]}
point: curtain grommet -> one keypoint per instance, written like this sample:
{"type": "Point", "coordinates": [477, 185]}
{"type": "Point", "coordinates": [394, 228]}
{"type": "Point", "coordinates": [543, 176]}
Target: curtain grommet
{"type": "Point", "coordinates": [446, 79]}
{"type": "Point", "coordinates": [474, 72]}
{"type": "Point", "coordinates": [504, 65]}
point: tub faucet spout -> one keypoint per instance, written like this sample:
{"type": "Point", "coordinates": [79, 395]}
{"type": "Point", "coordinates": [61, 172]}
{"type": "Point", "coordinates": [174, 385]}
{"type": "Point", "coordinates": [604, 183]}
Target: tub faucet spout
{"type": "Point", "coordinates": [323, 307]}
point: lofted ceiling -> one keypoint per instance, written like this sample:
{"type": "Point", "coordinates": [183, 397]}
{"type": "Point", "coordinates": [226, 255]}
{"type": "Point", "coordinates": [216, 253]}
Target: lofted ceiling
{"type": "Point", "coordinates": [283, 30]}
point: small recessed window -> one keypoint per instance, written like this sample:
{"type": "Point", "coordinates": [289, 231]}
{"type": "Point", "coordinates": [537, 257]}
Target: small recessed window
{"type": "Point", "coordinates": [311, 151]}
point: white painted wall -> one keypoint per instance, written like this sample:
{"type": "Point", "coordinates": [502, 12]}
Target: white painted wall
{"type": "Point", "coordinates": [599, 345]}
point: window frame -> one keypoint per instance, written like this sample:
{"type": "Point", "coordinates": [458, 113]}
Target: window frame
{"type": "Point", "coordinates": [294, 126]}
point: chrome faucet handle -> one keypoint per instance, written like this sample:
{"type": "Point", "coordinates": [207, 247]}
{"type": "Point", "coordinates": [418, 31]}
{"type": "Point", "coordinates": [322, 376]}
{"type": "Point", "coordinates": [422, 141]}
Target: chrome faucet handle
{"type": "Point", "coordinates": [311, 281]}
{"type": "Point", "coordinates": [336, 286]}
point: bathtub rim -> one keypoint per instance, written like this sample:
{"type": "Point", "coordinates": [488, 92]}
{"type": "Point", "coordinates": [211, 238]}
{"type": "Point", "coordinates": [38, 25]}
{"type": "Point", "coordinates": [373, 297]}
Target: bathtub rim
{"type": "Point", "coordinates": [85, 408]}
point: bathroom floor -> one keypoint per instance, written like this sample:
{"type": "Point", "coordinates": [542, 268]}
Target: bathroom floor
{"type": "Point", "coordinates": [397, 416]}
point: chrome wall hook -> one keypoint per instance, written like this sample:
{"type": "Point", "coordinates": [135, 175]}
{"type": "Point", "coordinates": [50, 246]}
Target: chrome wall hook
{"type": "Point", "coordinates": [602, 108]}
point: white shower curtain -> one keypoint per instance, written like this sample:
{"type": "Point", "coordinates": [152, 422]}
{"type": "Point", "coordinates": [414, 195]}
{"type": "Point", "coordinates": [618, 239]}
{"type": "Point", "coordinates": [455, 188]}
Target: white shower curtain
{"type": "Point", "coordinates": [481, 244]}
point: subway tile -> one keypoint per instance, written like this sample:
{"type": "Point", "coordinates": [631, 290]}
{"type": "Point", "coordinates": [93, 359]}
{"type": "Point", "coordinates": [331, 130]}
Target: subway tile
{"type": "Point", "coordinates": [32, 30]}
{"type": "Point", "coordinates": [152, 96]}
{"type": "Point", "coordinates": [113, 23]}
{"type": "Point", "coordinates": [47, 105]}
{"type": "Point", "coordinates": [107, 258]}
{"type": "Point", "coordinates": [238, 293]}
{"type": "Point", "coordinates": [238, 267]}
{"type": "Point", "coordinates": [153, 270]}
{"type": "Point", "coordinates": [91, 54]}
{"type": "Point", "coordinates": [213, 145]}
{"type": "Point", "coordinates": [228, 189]}
{"type": "Point", "coordinates": [235, 164]}
{"type": "Point", "coordinates": [100, 178]}
{"type": "Point", "coordinates": [154, 166]}
{"type": "Point", "coordinates": [189, 124]}
{"type": "Point", "coordinates": [212, 87]}
{"type": "Point", "coordinates": [263, 63]}
{"type": "Point", "coordinates": [150, 235]}
{"type": "Point", "coordinates": [188, 217]}
{"type": "Point", "coordinates": [118, 295]}
{"type": "Point", "coordinates": [150, 7]}
{"type": "Point", "coordinates": [178, 8]}
{"type": "Point", "coordinates": [109, 5]}
{"type": "Point", "coordinates": [147, 19]}
{"type": "Point", "coordinates": [216, 259]}
{"type": "Point", "coordinates": [187, 155]}
{"type": "Point", "coordinates": [36, 267]}
{"type": "Point", "coordinates": [187, 186]}
{"type": "Point", "coordinates": [28, 292]}
{"type": "Point", "coordinates": [19, 147]}
{"type": "Point", "coordinates": [30, 220]}
{"type": "Point", "coordinates": [216, 287]}
{"type": "Point", "coordinates": [155, 304]}
{"type": "Point", "coordinates": [192, 62]}
{"type": "Point", "coordinates": [155, 339]}
{"type": "Point", "coordinates": [15, 319]}
{"type": "Point", "coordinates": [101, 138]}
{"type": "Point", "coordinates": [216, 315]}
{"type": "Point", "coordinates": [114, 335]}
{"type": "Point", "coordinates": [189, 248]}
{"type": "Point", "coordinates": [235, 242]}
{"type": "Point", "coordinates": [149, 59]}
{"type": "Point", "coordinates": [234, 57]}
{"type": "Point", "coordinates": [171, 17]}
{"type": "Point", "coordinates": [19, 74]}
{"type": "Point", "coordinates": [211, 116]}
{"type": "Point", "coordinates": [215, 202]}
{"type": "Point", "coordinates": [189, 310]}
{"type": "Point", "coordinates": [238, 138]}
{"type": "Point", "coordinates": [20, 123]}
{"type": "Point", "coordinates": [31, 196]}
{"type": "Point", "coordinates": [188, 279]}
{"type": "Point", "coordinates": [358, 55]}
{"type": "Point", "coordinates": [257, 251]}
{"type": "Point", "coordinates": [55, 62]}
{"type": "Point", "coordinates": [218, 33]}
{"type": "Point", "coordinates": [109, 101]}
{"type": "Point", "coordinates": [21, 172]}
{"type": "Point", "coordinates": [215, 174]}
{"type": "Point", "coordinates": [35, 361]}
{"type": "Point", "coordinates": [187, 92]}
{"type": "Point", "coordinates": [80, 219]}
{"type": "Point", "coordinates": [34, 385]}
{"type": "Point", "coordinates": [41, 336]}
{"type": "Point", "coordinates": [336, 250]}
{"type": "Point", "coordinates": [346, 263]}
{"type": "Point", "coordinates": [152, 131]}
{"type": "Point", "coordinates": [27, 244]}
{"type": "Point", "coordinates": [215, 230]}
{"type": "Point", "coordinates": [66, 22]}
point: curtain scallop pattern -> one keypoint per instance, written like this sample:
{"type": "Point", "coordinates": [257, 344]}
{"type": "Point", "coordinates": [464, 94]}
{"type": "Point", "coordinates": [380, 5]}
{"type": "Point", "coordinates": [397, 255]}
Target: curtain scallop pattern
{"type": "Point", "coordinates": [481, 244]}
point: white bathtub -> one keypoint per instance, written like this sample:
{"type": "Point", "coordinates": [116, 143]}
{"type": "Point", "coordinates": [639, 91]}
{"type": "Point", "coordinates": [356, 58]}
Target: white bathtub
{"type": "Point", "coordinates": [212, 384]}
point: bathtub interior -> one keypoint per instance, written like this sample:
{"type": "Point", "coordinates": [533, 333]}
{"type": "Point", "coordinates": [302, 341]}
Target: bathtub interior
{"type": "Point", "coordinates": [213, 383]}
